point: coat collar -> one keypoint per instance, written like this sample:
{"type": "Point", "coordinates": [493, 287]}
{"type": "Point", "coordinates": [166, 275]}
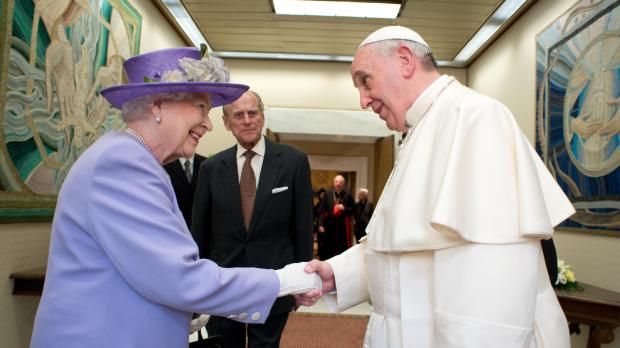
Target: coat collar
{"type": "Point", "coordinates": [258, 149]}
{"type": "Point", "coordinates": [421, 106]}
{"type": "Point", "coordinates": [176, 169]}
{"type": "Point", "coordinates": [268, 175]}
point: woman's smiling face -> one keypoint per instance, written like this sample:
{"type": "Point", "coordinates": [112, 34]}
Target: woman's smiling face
{"type": "Point", "coordinates": [183, 123]}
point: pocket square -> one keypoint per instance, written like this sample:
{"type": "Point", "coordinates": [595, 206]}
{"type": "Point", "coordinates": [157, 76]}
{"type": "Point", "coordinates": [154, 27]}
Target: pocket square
{"type": "Point", "coordinates": [279, 189]}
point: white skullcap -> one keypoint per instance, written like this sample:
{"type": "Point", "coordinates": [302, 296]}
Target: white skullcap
{"type": "Point", "coordinates": [395, 32]}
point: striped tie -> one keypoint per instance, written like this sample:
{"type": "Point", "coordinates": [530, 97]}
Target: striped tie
{"type": "Point", "coordinates": [188, 170]}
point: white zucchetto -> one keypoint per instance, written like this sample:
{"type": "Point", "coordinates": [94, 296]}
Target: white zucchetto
{"type": "Point", "coordinates": [395, 32]}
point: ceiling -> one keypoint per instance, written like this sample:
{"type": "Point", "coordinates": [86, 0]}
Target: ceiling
{"type": "Point", "coordinates": [252, 26]}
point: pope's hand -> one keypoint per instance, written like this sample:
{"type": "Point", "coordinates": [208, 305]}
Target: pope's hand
{"type": "Point", "coordinates": [198, 323]}
{"type": "Point", "coordinates": [293, 280]}
{"type": "Point", "coordinates": [325, 271]}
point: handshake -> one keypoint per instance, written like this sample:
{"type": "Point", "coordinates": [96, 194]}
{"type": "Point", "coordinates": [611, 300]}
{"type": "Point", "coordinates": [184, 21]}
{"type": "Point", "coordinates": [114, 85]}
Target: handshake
{"type": "Point", "coordinates": [307, 281]}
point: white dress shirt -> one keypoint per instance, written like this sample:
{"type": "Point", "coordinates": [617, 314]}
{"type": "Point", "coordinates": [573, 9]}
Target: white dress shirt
{"type": "Point", "coordinates": [257, 160]}
{"type": "Point", "coordinates": [191, 163]}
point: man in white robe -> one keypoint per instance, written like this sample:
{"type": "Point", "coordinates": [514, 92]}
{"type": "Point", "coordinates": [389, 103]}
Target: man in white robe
{"type": "Point", "coordinates": [452, 257]}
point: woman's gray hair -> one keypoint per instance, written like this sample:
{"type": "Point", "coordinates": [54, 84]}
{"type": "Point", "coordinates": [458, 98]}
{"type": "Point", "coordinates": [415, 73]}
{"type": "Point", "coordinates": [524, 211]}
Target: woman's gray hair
{"type": "Point", "coordinates": [139, 108]}
{"type": "Point", "coordinates": [423, 52]}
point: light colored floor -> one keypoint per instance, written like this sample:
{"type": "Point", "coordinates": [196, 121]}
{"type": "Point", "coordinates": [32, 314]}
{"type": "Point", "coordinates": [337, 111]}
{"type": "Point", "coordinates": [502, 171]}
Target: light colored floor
{"type": "Point", "coordinates": [321, 307]}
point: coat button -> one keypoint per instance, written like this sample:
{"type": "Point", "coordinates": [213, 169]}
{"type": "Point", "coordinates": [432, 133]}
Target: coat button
{"type": "Point", "coordinates": [255, 316]}
{"type": "Point", "coordinates": [243, 316]}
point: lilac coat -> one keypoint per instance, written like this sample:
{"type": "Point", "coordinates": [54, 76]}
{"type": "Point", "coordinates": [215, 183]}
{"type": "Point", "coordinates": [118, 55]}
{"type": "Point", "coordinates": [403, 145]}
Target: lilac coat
{"type": "Point", "coordinates": [123, 269]}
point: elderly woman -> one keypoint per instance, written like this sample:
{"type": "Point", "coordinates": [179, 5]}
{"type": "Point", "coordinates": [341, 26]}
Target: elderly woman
{"type": "Point", "coordinates": [123, 270]}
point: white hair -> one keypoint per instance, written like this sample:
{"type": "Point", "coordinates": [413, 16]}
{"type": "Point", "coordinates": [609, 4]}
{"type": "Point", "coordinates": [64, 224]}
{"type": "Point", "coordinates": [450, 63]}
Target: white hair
{"type": "Point", "coordinates": [364, 191]}
{"type": "Point", "coordinates": [138, 108]}
{"type": "Point", "coordinates": [261, 107]}
{"type": "Point", "coordinates": [423, 52]}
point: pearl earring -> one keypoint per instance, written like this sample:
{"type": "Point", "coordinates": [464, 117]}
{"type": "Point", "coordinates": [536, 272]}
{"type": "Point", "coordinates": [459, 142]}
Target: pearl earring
{"type": "Point", "coordinates": [157, 118]}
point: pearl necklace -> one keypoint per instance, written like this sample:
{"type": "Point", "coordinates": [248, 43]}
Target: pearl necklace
{"type": "Point", "coordinates": [138, 137]}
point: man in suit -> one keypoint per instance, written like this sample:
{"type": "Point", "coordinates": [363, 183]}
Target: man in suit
{"type": "Point", "coordinates": [334, 222]}
{"type": "Point", "coordinates": [253, 214]}
{"type": "Point", "coordinates": [183, 175]}
{"type": "Point", "coordinates": [362, 213]}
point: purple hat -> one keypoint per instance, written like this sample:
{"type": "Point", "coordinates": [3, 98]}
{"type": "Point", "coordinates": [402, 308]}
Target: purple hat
{"type": "Point", "coordinates": [175, 70]}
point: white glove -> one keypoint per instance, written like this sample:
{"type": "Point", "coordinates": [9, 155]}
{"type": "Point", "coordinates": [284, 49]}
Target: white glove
{"type": "Point", "coordinates": [294, 280]}
{"type": "Point", "coordinates": [198, 323]}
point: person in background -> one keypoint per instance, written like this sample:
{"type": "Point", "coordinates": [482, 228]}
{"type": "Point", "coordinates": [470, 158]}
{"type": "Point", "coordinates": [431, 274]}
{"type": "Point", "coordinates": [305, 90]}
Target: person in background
{"type": "Point", "coordinates": [317, 211]}
{"type": "Point", "coordinates": [183, 175]}
{"type": "Point", "coordinates": [123, 270]}
{"type": "Point", "coordinates": [334, 220]}
{"type": "Point", "coordinates": [253, 208]}
{"type": "Point", "coordinates": [320, 195]}
{"type": "Point", "coordinates": [453, 255]}
{"type": "Point", "coordinates": [551, 259]}
{"type": "Point", "coordinates": [362, 213]}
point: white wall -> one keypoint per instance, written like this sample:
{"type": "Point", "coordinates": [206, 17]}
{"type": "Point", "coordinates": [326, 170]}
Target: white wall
{"type": "Point", "coordinates": [156, 32]}
{"type": "Point", "coordinates": [301, 84]}
{"type": "Point", "coordinates": [507, 72]}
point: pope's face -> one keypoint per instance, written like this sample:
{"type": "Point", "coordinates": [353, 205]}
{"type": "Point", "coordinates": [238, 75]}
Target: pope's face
{"type": "Point", "coordinates": [377, 77]}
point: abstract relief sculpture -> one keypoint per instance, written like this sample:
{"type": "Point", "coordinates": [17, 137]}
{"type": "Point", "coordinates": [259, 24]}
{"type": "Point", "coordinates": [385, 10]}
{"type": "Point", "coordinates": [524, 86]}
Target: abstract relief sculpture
{"type": "Point", "coordinates": [55, 56]}
{"type": "Point", "coordinates": [578, 109]}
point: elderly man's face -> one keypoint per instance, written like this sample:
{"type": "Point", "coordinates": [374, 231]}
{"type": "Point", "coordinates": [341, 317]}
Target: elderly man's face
{"type": "Point", "coordinates": [245, 120]}
{"type": "Point", "coordinates": [361, 195]}
{"type": "Point", "coordinates": [378, 79]}
{"type": "Point", "coordinates": [338, 183]}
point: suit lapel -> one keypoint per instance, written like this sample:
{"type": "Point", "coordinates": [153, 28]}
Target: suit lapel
{"type": "Point", "coordinates": [268, 174]}
{"type": "Point", "coordinates": [178, 171]}
{"type": "Point", "coordinates": [230, 183]}
{"type": "Point", "coordinates": [195, 170]}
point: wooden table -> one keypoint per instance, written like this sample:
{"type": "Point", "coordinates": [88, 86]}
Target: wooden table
{"type": "Point", "coordinates": [29, 282]}
{"type": "Point", "coordinates": [595, 307]}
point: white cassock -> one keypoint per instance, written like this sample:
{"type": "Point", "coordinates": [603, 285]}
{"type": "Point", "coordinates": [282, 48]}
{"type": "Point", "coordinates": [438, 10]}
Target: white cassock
{"type": "Point", "coordinates": [452, 257]}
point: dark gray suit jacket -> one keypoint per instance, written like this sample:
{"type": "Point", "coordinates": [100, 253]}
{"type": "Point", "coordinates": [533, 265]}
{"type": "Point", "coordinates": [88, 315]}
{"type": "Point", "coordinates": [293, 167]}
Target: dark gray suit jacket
{"type": "Point", "coordinates": [183, 189]}
{"type": "Point", "coordinates": [281, 226]}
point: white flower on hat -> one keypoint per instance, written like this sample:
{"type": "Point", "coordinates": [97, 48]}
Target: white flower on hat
{"type": "Point", "coordinates": [208, 69]}
{"type": "Point", "coordinates": [173, 76]}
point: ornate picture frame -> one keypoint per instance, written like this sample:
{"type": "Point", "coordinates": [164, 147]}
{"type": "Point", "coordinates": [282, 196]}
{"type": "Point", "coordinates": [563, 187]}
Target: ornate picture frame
{"type": "Point", "coordinates": [55, 55]}
{"type": "Point", "coordinates": [578, 110]}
